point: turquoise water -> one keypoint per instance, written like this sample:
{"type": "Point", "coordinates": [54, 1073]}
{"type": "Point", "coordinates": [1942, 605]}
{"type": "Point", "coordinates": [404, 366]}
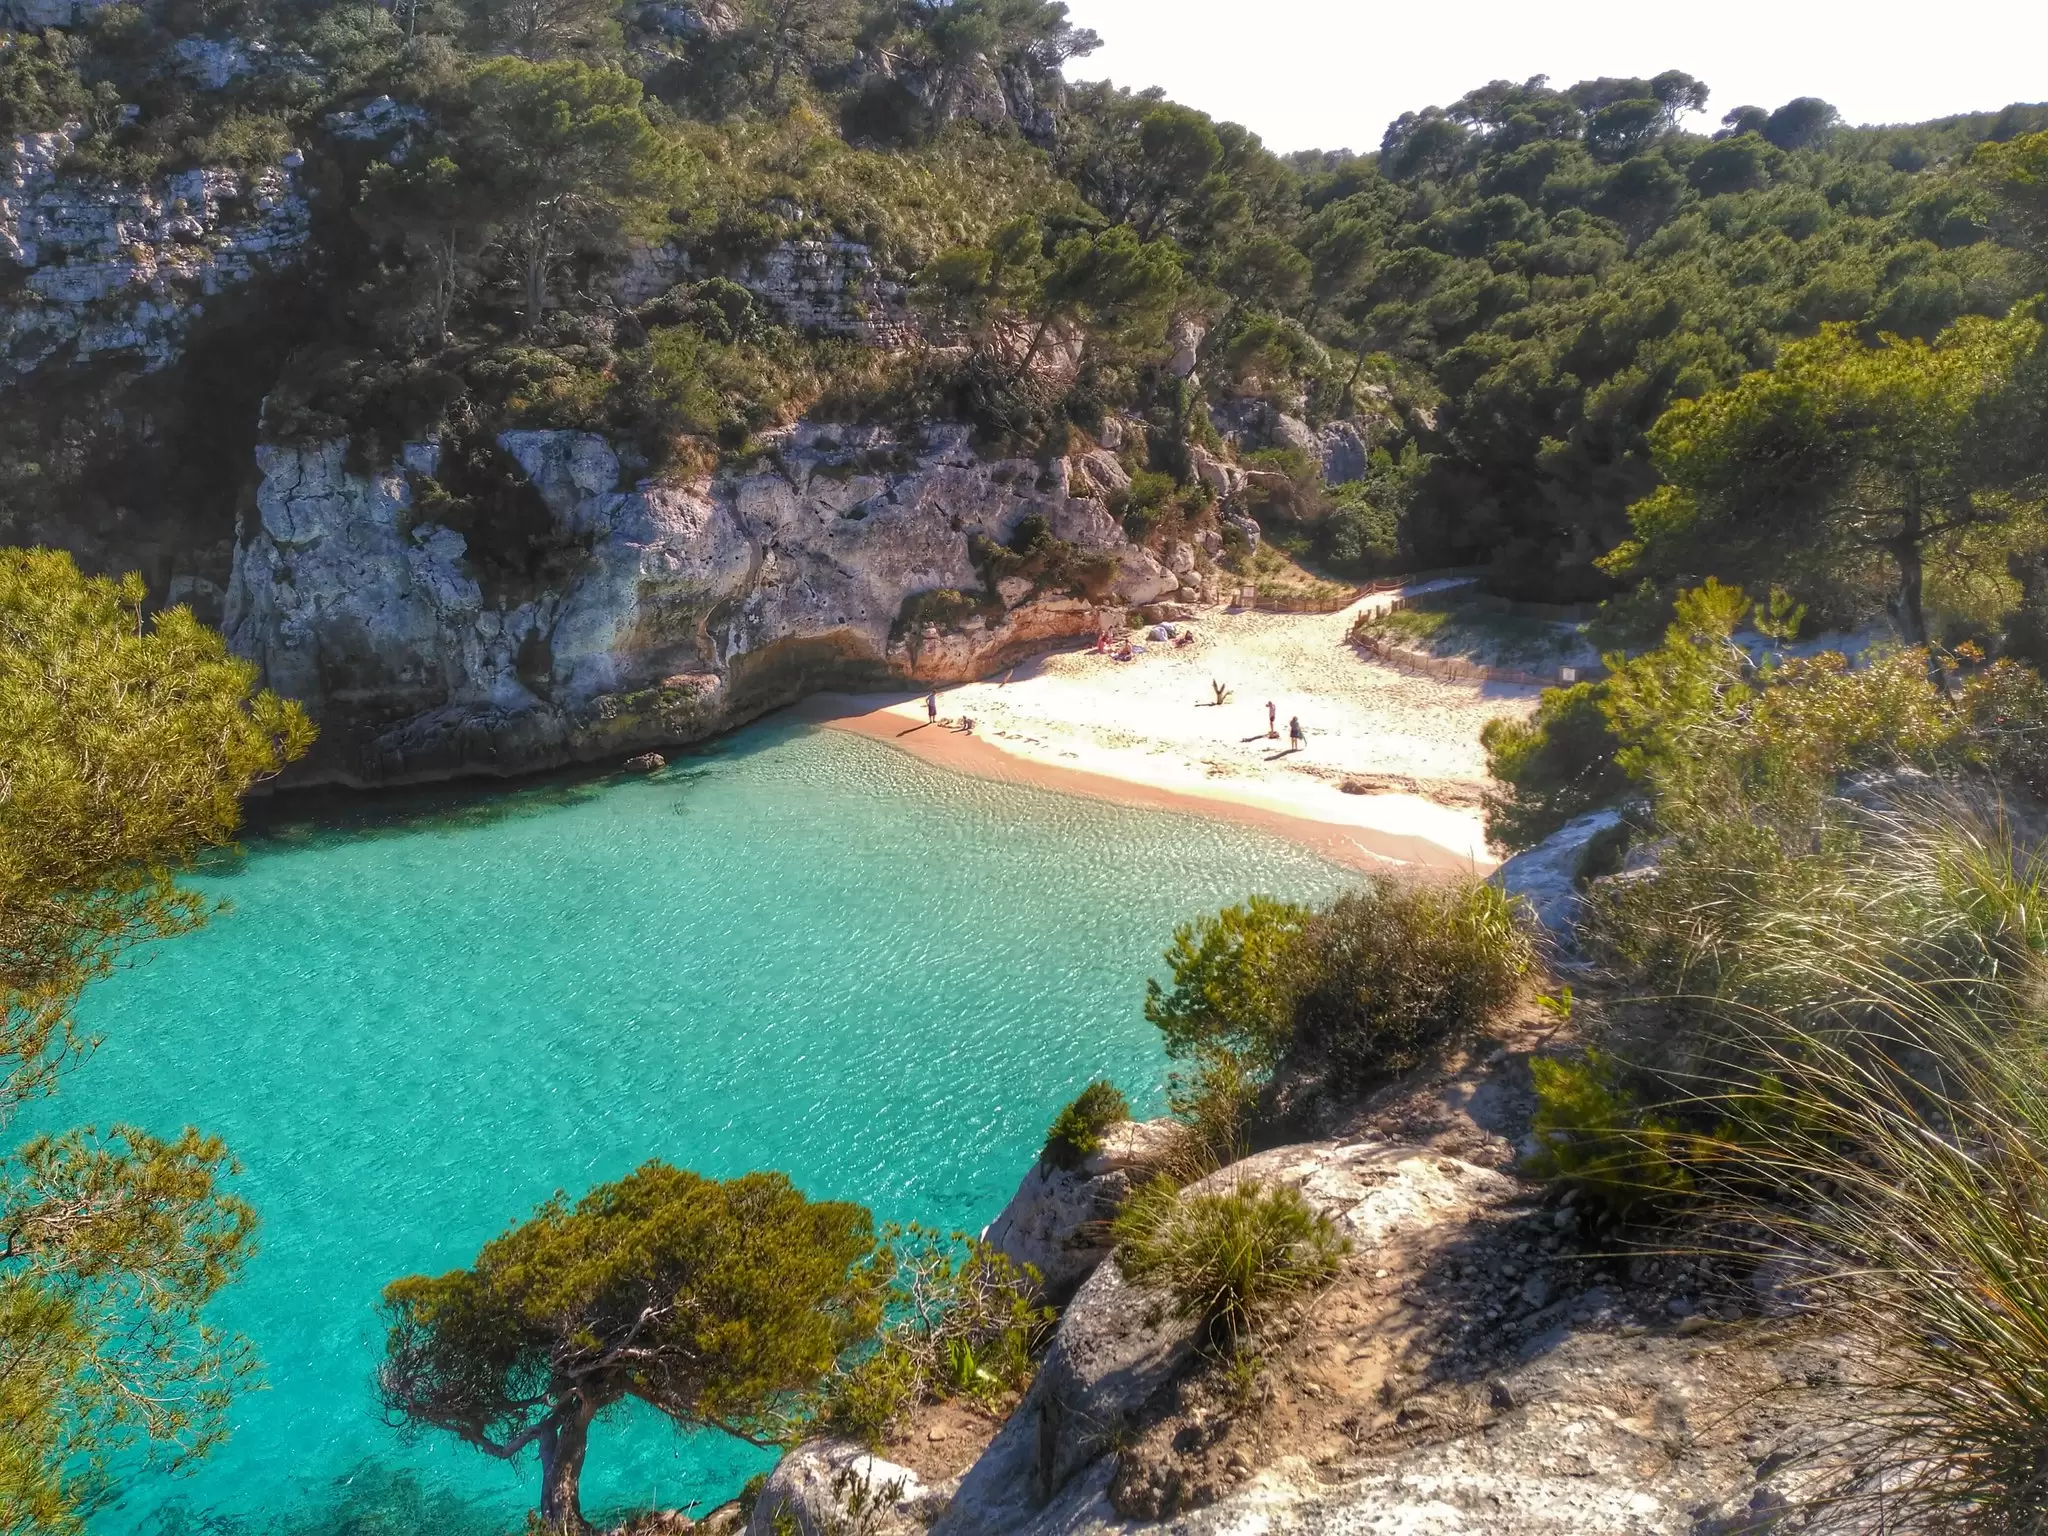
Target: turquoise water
{"type": "Point", "coordinates": [804, 951]}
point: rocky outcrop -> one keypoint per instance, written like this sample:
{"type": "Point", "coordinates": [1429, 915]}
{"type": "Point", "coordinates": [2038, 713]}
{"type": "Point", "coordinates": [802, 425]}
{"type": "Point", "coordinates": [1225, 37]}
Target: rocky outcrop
{"type": "Point", "coordinates": [820, 287]}
{"type": "Point", "coordinates": [1546, 876]}
{"type": "Point", "coordinates": [1058, 1221]}
{"type": "Point", "coordinates": [103, 269]}
{"type": "Point", "coordinates": [619, 617]}
{"type": "Point", "coordinates": [839, 1488]}
{"type": "Point", "coordinates": [1442, 1386]}
{"type": "Point", "coordinates": [1342, 449]}
{"type": "Point", "coordinates": [1119, 1346]}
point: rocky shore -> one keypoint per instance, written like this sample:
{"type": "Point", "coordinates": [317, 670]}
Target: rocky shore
{"type": "Point", "coordinates": [1483, 1363]}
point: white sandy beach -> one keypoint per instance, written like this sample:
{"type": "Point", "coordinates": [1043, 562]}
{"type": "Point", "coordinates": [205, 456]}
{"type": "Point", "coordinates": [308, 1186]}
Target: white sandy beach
{"type": "Point", "coordinates": [1149, 730]}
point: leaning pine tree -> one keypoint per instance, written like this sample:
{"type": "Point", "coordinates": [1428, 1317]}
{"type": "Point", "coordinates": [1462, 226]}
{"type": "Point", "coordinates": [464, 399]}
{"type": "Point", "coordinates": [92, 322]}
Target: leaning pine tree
{"type": "Point", "coordinates": [715, 1302]}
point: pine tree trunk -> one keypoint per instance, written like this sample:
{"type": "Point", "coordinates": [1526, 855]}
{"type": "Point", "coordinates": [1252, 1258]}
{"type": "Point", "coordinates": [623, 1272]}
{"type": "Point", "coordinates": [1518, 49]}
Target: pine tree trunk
{"type": "Point", "coordinates": [561, 1468]}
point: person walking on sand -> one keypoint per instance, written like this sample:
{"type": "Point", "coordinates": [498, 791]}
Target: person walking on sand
{"type": "Point", "coordinates": [1272, 722]}
{"type": "Point", "coordinates": [1297, 738]}
{"type": "Point", "coordinates": [931, 707]}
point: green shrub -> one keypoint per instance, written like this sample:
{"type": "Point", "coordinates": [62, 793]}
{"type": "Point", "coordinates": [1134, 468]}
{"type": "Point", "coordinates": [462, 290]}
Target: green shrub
{"type": "Point", "coordinates": [1557, 765]}
{"type": "Point", "coordinates": [1076, 1131]}
{"type": "Point", "coordinates": [2006, 706]}
{"type": "Point", "coordinates": [1594, 1133]}
{"type": "Point", "coordinates": [941, 606]}
{"type": "Point", "coordinates": [872, 1393]}
{"type": "Point", "coordinates": [962, 1322]}
{"type": "Point", "coordinates": [1389, 978]}
{"type": "Point", "coordinates": [1234, 983]}
{"type": "Point", "coordinates": [1228, 1258]}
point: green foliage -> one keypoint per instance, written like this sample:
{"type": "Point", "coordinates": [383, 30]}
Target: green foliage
{"type": "Point", "coordinates": [941, 606]}
{"type": "Point", "coordinates": [1594, 1133]}
{"type": "Point", "coordinates": [1076, 1131]}
{"type": "Point", "coordinates": [1719, 735]}
{"type": "Point", "coordinates": [40, 88]}
{"type": "Point", "coordinates": [1887, 1139]}
{"type": "Point", "coordinates": [1362, 533]}
{"type": "Point", "coordinates": [1838, 452]}
{"type": "Point", "coordinates": [1364, 988]}
{"type": "Point", "coordinates": [2006, 709]}
{"type": "Point", "coordinates": [127, 743]}
{"type": "Point", "coordinates": [1234, 977]}
{"type": "Point", "coordinates": [1229, 1258]}
{"type": "Point", "coordinates": [716, 1303]}
{"type": "Point", "coordinates": [963, 1321]}
{"type": "Point", "coordinates": [1391, 977]}
{"type": "Point", "coordinates": [565, 155]}
{"type": "Point", "coordinates": [2017, 174]}
{"type": "Point", "coordinates": [1547, 769]}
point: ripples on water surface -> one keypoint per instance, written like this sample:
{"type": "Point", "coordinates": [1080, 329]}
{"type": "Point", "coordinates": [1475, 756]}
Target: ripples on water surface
{"type": "Point", "coordinates": [805, 951]}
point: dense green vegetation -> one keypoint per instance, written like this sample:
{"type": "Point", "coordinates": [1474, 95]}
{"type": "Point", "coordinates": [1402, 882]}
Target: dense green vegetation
{"type": "Point", "coordinates": [1347, 997]}
{"type": "Point", "coordinates": [127, 744]}
{"type": "Point", "coordinates": [1076, 1131]}
{"type": "Point", "coordinates": [1507, 295]}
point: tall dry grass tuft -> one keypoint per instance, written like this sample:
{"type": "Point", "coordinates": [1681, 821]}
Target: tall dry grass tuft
{"type": "Point", "coordinates": [1229, 1257]}
{"type": "Point", "coordinates": [1881, 1073]}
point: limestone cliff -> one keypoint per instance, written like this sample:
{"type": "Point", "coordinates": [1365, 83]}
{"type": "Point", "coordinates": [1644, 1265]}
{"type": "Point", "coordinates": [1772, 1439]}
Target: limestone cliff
{"type": "Point", "coordinates": [662, 612]}
{"type": "Point", "coordinates": [109, 270]}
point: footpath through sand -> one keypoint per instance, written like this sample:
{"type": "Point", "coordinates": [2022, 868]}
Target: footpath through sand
{"type": "Point", "coordinates": [1391, 769]}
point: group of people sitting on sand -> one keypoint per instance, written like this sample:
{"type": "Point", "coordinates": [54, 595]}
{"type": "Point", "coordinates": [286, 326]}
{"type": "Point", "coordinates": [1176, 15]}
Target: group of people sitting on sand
{"type": "Point", "coordinates": [1122, 649]}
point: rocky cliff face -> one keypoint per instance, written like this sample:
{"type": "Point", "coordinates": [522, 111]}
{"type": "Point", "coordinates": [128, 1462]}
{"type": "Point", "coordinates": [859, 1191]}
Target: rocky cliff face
{"type": "Point", "coordinates": [664, 612]}
{"type": "Point", "coordinates": [109, 270]}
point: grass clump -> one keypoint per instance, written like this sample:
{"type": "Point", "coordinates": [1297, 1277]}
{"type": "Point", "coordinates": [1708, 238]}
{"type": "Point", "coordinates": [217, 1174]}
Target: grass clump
{"type": "Point", "coordinates": [1229, 1257]}
{"type": "Point", "coordinates": [1076, 1131]}
{"type": "Point", "coordinates": [1914, 1183]}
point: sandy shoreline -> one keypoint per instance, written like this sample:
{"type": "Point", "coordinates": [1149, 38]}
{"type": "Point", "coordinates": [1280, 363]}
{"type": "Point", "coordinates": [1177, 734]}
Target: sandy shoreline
{"type": "Point", "coordinates": [1148, 732]}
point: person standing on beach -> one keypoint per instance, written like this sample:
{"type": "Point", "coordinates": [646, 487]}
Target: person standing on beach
{"type": "Point", "coordinates": [931, 707]}
{"type": "Point", "coordinates": [1297, 738]}
{"type": "Point", "coordinates": [1272, 722]}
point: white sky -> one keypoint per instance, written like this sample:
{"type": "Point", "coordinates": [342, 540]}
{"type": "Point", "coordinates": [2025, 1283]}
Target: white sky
{"type": "Point", "coordinates": [1329, 74]}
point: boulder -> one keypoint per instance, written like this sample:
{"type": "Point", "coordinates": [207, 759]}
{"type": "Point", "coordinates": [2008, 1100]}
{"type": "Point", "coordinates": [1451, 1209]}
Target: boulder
{"type": "Point", "coordinates": [1343, 449]}
{"type": "Point", "coordinates": [835, 1488]}
{"type": "Point", "coordinates": [1058, 1220]}
{"type": "Point", "coordinates": [1225, 480]}
{"type": "Point", "coordinates": [1292, 432]}
{"type": "Point", "coordinates": [1142, 579]}
{"type": "Point", "coordinates": [1546, 876]}
{"type": "Point", "coordinates": [1099, 473]}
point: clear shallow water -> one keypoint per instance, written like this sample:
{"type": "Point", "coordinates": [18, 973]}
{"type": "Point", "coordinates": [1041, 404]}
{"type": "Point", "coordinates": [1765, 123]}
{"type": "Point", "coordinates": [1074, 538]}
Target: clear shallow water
{"type": "Point", "coordinates": [805, 951]}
